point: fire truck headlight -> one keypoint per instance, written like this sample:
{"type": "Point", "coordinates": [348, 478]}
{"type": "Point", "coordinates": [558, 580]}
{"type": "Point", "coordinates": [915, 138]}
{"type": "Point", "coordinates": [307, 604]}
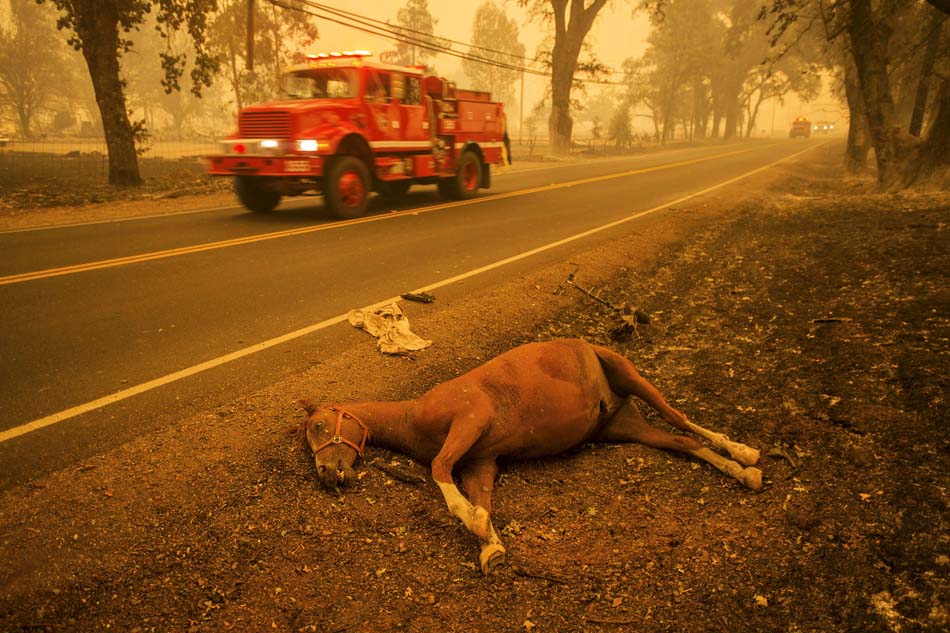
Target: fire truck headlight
{"type": "Point", "coordinates": [269, 143]}
{"type": "Point", "coordinates": [307, 145]}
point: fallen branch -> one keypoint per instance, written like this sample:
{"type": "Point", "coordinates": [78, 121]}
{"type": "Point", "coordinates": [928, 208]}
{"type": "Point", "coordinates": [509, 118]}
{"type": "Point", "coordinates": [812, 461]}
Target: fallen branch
{"type": "Point", "coordinates": [630, 316]}
{"type": "Point", "coordinates": [524, 573]}
{"type": "Point", "coordinates": [398, 473]}
{"type": "Point", "coordinates": [598, 620]}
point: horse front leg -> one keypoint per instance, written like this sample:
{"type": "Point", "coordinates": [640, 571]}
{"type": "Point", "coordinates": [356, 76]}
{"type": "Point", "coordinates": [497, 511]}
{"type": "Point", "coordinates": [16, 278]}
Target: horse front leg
{"type": "Point", "coordinates": [478, 480]}
{"type": "Point", "coordinates": [461, 437]}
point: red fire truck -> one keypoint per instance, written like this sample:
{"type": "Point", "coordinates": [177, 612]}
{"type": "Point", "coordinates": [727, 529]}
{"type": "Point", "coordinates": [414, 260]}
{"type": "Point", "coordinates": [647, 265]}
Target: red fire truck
{"type": "Point", "coordinates": [351, 126]}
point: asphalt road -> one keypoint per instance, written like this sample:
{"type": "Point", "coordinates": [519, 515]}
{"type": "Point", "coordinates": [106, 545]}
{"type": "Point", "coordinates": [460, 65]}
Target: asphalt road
{"type": "Point", "coordinates": [109, 330]}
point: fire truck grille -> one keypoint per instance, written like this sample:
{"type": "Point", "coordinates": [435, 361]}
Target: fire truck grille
{"type": "Point", "coordinates": [275, 124]}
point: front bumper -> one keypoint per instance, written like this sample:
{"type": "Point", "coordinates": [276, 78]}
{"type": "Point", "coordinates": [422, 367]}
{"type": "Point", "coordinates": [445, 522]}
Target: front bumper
{"type": "Point", "coordinates": [273, 166]}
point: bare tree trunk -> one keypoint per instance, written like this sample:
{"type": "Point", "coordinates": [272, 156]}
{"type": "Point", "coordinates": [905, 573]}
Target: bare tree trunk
{"type": "Point", "coordinates": [732, 120]}
{"type": "Point", "coordinates": [235, 76]}
{"type": "Point", "coordinates": [932, 158]}
{"type": "Point", "coordinates": [560, 123]}
{"type": "Point", "coordinates": [926, 72]}
{"type": "Point", "coordinates": [753, 114]}
{"type": "Point", "coordinates": [870, 36]}
{"type": "Point", "coordinates": [569, 34]}
{"type": "Point", "coordinates": [98, 29]}
{"type": "Point", "coordinates": [856, 152]}
{"type": "Point", "coordinates": [700, 112]}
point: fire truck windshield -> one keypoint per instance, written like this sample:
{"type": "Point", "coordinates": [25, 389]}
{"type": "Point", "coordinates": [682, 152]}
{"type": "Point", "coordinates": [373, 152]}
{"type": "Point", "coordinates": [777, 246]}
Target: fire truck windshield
{"type": "Point", "coordinates": [321, 83]}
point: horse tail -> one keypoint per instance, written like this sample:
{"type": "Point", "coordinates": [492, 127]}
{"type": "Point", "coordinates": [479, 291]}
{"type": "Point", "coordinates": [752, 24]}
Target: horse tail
{"type": "Point", "coordinates": [621, 375]}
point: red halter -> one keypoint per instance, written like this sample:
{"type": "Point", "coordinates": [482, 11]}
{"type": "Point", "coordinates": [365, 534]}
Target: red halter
{"type": "Point", "coordinates": [337, 437]}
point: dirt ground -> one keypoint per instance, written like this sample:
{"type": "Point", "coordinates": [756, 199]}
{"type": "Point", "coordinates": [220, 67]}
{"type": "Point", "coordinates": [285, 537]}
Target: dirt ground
{"type": "Point", "coordinates": [808, 319]}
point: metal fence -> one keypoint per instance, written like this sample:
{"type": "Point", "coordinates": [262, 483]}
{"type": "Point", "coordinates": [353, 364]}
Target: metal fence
{"type": "Point", "coordinates": [87, 159]}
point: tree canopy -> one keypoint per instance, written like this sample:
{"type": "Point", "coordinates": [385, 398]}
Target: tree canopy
{"type": "Point", "coordinates": [416, 27]}
{"type": "Point", "coordinates": [494, 39]}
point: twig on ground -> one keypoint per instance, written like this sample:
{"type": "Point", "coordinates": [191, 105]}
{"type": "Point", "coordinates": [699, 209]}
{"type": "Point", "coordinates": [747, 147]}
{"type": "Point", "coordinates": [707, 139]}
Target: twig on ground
{"type": "Point", "coordinates": [599, 620]}
{"type": "Point", "coordinates": [524, 573]}
{"type": "Point", "coordinates": [398, 473]}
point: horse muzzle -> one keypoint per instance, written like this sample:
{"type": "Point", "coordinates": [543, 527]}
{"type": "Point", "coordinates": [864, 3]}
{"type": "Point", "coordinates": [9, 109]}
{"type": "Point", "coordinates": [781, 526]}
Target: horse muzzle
{"type": "Point", "coordinates": [335, 475]}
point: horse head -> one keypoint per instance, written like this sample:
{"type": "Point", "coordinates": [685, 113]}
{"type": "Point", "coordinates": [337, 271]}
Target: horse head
{"type": "Point", "coordinates": [337, 439]}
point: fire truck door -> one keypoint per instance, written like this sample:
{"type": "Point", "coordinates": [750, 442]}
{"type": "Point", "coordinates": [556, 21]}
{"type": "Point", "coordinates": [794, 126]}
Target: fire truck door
{"type": "Point", "coordinates": [414, 117]}
{"type": "Point", "coordinates": [386, 111]}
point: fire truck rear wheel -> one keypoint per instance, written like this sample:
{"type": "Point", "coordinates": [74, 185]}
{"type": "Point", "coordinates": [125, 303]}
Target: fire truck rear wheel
{"type": "Point", "coordinates": [255, 195]}
{"type": "Point", "coordinates": [467, 179]}
{"type": "Point", "coordinates": [347, 187]}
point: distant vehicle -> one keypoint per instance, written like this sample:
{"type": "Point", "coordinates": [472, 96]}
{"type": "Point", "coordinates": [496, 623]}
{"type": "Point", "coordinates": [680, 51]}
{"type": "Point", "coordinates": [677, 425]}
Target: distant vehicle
{"type": "Point", "coordinates": [823, 127]}
{"type": "Point", "coordinates": [351, 126]}
{"type": "Point", "coordinates": [801, 126]}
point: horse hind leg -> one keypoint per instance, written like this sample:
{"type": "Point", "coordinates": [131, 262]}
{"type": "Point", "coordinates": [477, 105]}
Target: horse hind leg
{"type": "Point", "coordinates": [745, 455]}
{"type": "Point", "coordinates": [478, 480]}
{"type": "Point", "coordinates": [627, 425]}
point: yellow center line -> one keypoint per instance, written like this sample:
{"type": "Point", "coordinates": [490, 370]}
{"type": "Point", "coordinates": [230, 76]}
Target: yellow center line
{"type": "Point", "coordinates": [210, 246]}
{"type": "Point", "coordinates": [80, 409]}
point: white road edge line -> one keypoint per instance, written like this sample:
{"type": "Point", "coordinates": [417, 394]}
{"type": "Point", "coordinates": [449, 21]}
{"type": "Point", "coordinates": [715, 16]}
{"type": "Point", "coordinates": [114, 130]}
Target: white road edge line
{"type": "Point", "coordinates": [118, 396]}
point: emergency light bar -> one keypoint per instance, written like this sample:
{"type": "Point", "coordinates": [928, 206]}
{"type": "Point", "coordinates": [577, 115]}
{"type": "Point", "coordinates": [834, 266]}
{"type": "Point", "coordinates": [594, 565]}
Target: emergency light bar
{"type": "Point", "coordinates": [337, 54]}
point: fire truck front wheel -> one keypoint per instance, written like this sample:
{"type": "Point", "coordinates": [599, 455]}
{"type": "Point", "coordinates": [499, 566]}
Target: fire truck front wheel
{"type": "Point", "coordinates": [467, 179]}
{"type": "Point", "coordinates": [255, 195]}
{"type": "Point", "coordinates": [347, 187]}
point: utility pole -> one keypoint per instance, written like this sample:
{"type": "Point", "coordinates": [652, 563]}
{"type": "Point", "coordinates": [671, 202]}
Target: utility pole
{"type": "Point", "coordinates": [250, 35]}
{"type": "Point", "coordinates": [521, 120]}
{"type": "Point", "coordinates": [773, 116]}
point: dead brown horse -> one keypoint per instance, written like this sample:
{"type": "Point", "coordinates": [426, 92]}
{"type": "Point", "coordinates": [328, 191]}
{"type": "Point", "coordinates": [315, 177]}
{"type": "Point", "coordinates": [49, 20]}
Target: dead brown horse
{"type": "Point", "coordinates": [536, 400]}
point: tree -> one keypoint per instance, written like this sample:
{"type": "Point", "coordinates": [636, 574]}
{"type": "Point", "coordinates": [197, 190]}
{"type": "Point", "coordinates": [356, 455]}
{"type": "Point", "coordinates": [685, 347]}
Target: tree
{"type": "Point", "coordinates": [641, 89]}
{"type": "Point", "coordinates": [679, 62]}
{"type": "Point", "coordinates": [774, 79]}
{"type": "Point", "coordinates": [893, 59]}
{"type": "Point", "coordinates": [619, 130]}
{"type": "Point", "coordinates": [416, 26]}
{"type": "Point", "coordinates": [494, 39]}
{"type": "Point", "coordinates": [273, 28]}
{"type": "Point", "coordinates": [99, 29]}
{"type": "Point", "coordinates": [572, 21]}
{"type": "Point", "coordinates": [26, 85]}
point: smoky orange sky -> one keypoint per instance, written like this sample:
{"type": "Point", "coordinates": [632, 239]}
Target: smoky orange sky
{"type": "Point", "coordinates": [618, 33]}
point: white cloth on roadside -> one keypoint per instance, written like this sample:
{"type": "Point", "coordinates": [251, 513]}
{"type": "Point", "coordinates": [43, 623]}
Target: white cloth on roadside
{"type": "Point", "coordinates": [391, 327]}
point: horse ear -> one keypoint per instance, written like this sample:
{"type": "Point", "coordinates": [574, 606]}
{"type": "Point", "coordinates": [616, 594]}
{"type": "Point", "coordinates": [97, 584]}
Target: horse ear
{"type": "Point", "coordinates": [307, 405]}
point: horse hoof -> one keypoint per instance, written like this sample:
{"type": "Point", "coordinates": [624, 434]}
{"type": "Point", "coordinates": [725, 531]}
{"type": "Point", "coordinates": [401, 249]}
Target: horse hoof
{"type": "Point", "coordinates": [492, 557]}
{"type": "Point", "coordinates": [746, 455]}
{"type": "Point", "coordinates": [752, 478]}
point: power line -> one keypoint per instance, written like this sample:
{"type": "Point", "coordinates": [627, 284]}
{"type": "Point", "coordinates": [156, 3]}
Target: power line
{"type": "Point", "coordinates": [398, 34]}
{"type": "Point", "coordinates": [393, 34]}
{"type": "Point", "coordinates": [389, 27]}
